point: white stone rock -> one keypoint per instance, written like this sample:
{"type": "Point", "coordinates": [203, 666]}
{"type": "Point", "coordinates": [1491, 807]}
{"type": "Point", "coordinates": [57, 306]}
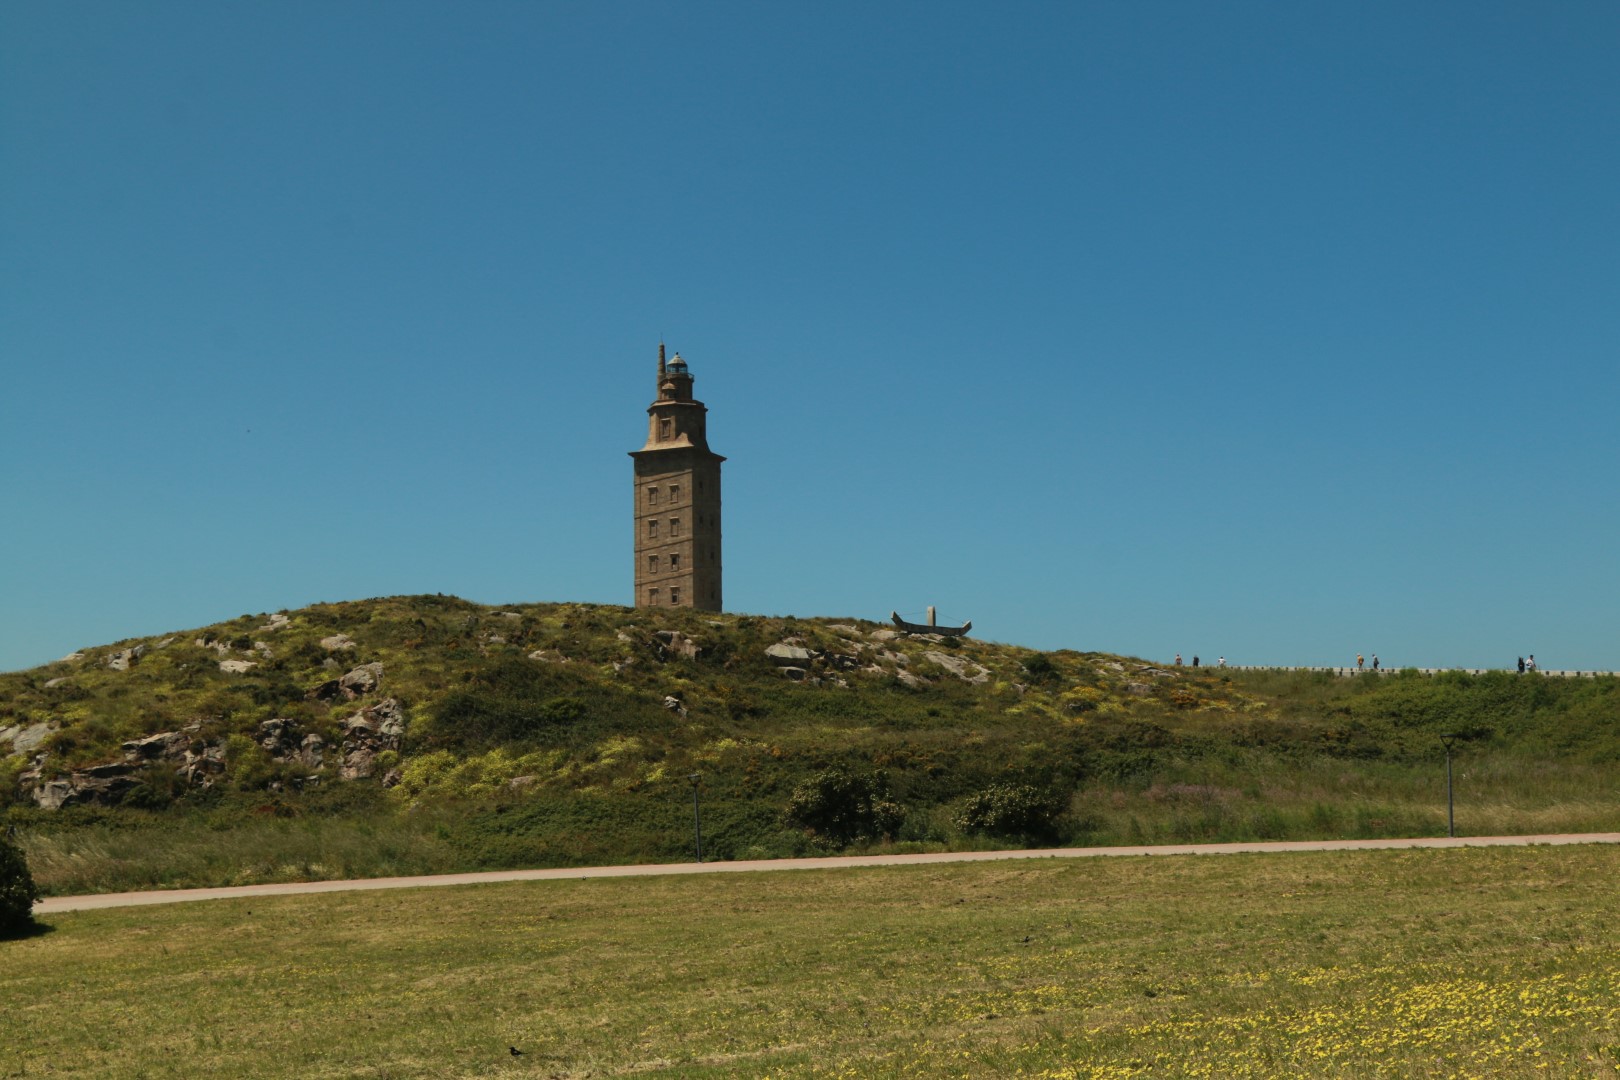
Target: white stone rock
{"type": "Point", "coordinates": [337, 643]}
{"type": "Point", "coordinates": [960, 666]}
{"type": "Point", "coordinates": [28, 739]}
{"type": "Point", "coordinates": [237, 667]}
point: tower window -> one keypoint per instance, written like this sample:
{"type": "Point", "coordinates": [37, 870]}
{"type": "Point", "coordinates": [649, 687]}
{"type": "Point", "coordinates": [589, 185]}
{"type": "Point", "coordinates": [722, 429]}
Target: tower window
{"type": "Point", "coordinates": [666, 430]}
{"type": "Point", "coordinates": [674, 562]}
{"type": "Point", "coordinates": [674, 493]}
{"type": "Point", "coordinates": [674, 526]}
{"type": "Point", "coordinates": [652, 528]}
{"type": "Point", "coordinates": [674, 596]}
{"type": "Point", "coordinates": [652, 597]}
{"type": "Point", "coordinates": [652, 496]}
{"type": "Point", "coordinates": [652, 564]}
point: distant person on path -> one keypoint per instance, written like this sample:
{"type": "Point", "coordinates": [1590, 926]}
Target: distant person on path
{"type": "Point", "coordinates": [1360, 662]}
{"type": "Point", "coordinates": [1195, 661]}
{"type": "Point", "coordinates": [1530, 664]}
{"type": "Point", "coordinates": [1178, 659]}
{"type": "Point", "coordinates": [1221, 662]}
{"type": "Point", "coordinates": [1521, 665]}
{"type": "Point", "coordinates": [1375, 661]}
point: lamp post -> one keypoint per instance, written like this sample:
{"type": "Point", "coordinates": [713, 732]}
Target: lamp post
{"type": "Point", "coordinates": [697, 820]}
{"type": "Point", "coordinates": [1447, 740]}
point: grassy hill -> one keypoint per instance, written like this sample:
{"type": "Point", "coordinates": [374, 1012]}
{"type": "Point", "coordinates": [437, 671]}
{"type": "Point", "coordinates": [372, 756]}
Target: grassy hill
{"type": "Point", "coordinates": [551, 734]}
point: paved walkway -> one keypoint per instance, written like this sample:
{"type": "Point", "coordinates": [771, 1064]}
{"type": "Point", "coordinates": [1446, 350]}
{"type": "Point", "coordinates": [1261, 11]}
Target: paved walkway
{"type": "Point", "coordinates": [55, 904]}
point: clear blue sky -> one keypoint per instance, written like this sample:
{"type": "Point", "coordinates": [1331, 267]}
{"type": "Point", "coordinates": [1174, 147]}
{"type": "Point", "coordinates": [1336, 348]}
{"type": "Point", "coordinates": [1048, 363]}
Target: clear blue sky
{"type": "Point", "coordinates": [1274, 330]}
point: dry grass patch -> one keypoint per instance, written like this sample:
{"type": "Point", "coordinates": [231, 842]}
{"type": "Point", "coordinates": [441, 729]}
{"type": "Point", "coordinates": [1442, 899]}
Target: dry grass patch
{"type": "Point", "coordinates": [1482, 962]}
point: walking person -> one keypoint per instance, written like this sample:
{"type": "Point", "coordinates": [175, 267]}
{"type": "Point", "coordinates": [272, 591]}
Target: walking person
{"type": "Point", "coordinates": [1530, 664]}
{"type": "Point", "coordinates": [1375, 661]}
{"type": "Point", "coordinates": [1361, 663]}
{"type": "Point", "coordinates": [1195, 661]}
{"type": "Point", "coordinates": [1521, 665]}
{"type": "Point", "coordinates": [1178, 659]}
{"type": "Point", "coordinates": [1221, 662]}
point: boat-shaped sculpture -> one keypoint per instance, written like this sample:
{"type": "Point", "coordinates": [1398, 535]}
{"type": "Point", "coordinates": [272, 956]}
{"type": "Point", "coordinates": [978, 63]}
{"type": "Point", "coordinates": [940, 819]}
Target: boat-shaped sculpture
{"type": "Point", "coordinates": [931, 628]}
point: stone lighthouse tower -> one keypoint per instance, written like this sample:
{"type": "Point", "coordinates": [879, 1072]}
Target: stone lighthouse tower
{"type": "Point", "coordinates": [677, 499]}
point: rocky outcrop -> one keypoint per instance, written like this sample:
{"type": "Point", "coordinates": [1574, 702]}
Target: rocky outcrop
{"type": "Point", "coordinates": [237, 667]}
{"type": "Point", "coordinates": [337, 643]}
{"type": "Point", "coordinates": [124, 659]}
{"type": "Point", "coordinates": [362, 680]}
{"type": "Point", "coordinates": [960, 666]}
{"type": "Point", "coordinates": [196, 760]}
{"type": "Point", "coordinates": [356, 683]}
{"type": "Point", "coordinates": [284, 740]}
{"type": "Point", "coordinates": [788, 654]}
{"type": "Point", "coordinates": [26, 738]}
{"type": "Point", "coordinates": [369, 733]}
{"type": "Point", "coordinates": [674, 643]}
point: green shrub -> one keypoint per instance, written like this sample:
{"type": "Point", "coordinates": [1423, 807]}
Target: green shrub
{"type": "Point", "coordinates": [843, 806]}
{"type": "Point", "coordinates": [1011, 810]}
{"type": "Point", "coordinates": [17, 891]}
{"type": "Point", "coordinates": [1040, 668]}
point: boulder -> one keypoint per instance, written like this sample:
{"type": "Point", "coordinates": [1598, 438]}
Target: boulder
{"type": "Point", "coordinates": [70, 658]}
{"type": "Point", "coordinates": [843, 661]}
{"type": "Point", "coordinates": [548, 656]}
{"type": "Point", "coordinates": [51, 684]}
{"type": "Point", "coordinates": [960, 666]}
{"type": "Point", "coordinates": [237, 667]}
{"type": "Point", "coordinates": [337, 643]}
{"type": "Point", "coordinates": [783, 653]}
{"type": "Point", "coordinates": [673, 642]}
{"type": "Point", "coordinates": [124, 659]}
{"type": "Point", "coordinates": [27, 739]}
{"type": "Point", "coordinates": [362, 680]}
{"type": "Point", "coordinates": [263, 649]}
{"type": "Point", "coordinates": [795, 674]}
{"type": "Point", "coordinates": [908, 679]}
{"type": "Point", "coordinates": [883, 635]}
{"type": "Point", "coordinates": [1140, 689]}
{"type": "Point", "coordinates": [277, 621]}
{"type": "Point", "coordinates": [674, 704]}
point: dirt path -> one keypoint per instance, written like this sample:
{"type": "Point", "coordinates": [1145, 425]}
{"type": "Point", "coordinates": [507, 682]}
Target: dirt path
{"type": "Point", "coordinates": [55, 904]}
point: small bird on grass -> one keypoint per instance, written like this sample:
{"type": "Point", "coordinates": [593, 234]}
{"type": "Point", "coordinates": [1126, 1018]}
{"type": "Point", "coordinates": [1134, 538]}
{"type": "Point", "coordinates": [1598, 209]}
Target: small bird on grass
{"type": "Point", "coordinates": [515, 1052]}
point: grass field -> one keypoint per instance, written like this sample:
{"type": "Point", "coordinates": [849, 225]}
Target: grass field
{"type": "Point", "coordinates": [1472, 962]}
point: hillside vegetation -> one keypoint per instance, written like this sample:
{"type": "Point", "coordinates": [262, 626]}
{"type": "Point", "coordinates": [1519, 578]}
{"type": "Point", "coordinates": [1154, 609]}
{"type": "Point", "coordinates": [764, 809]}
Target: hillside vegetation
{"type": "Point", "coordinates": [429, 733]}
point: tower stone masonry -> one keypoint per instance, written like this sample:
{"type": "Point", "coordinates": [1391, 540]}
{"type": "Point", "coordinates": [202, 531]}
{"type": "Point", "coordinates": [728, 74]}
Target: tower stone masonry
{"type": "Point", "coordinates": [677, 499]}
